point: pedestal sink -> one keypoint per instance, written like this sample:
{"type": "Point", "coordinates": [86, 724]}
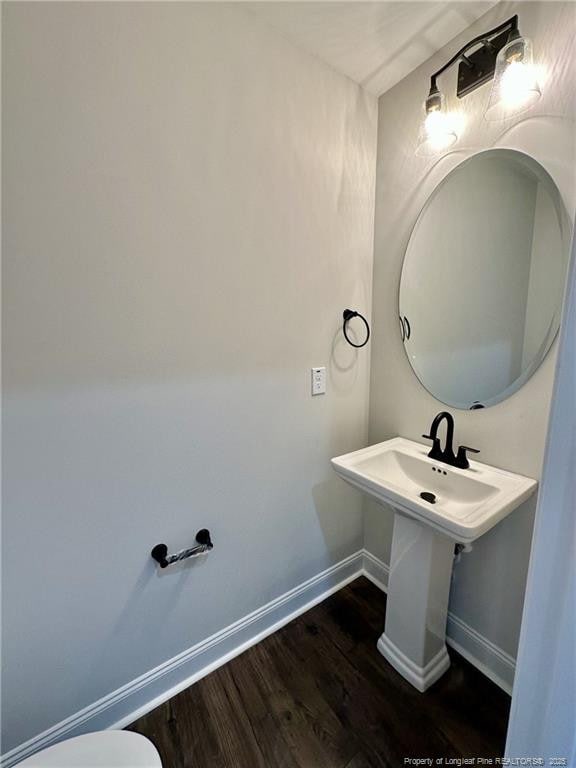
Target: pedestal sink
{"type": "Point", "coordinates": [436, 507]}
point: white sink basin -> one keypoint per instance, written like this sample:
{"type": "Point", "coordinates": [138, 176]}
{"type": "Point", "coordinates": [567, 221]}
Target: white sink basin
{"type": "Point", "coordinates": [468, 501]}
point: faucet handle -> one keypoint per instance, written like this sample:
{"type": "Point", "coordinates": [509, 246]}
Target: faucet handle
{"type": "Point", "coordinates": [435, 452]}
{"type": "Point", "coordinates": [461, 459]}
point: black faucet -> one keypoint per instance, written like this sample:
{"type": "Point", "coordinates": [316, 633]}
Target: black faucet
{"type": "Point", "coordinates": [447, 455]}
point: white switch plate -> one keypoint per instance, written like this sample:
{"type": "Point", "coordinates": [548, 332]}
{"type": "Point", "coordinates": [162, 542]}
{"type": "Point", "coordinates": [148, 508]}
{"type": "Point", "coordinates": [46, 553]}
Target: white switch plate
{"type": "Point", "coordinates": [319, 381]}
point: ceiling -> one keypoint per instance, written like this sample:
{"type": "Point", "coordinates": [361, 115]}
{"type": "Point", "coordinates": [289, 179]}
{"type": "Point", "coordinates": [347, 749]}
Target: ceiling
{"type": "Point", "coordinates": [374, 43]}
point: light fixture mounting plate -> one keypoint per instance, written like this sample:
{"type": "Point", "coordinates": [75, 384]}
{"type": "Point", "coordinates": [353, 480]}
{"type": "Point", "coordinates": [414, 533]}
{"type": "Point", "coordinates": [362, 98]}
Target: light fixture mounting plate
{"type": "Point", "coordinates": [480, 65]}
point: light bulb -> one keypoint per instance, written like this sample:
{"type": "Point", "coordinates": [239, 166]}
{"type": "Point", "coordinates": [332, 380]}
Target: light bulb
{"type": "Point", "coordinates": [515, 88]}
{"type": "Point", "coordinates": [438, 130]}
{"type": "Point", "coordinates": [517, 85]}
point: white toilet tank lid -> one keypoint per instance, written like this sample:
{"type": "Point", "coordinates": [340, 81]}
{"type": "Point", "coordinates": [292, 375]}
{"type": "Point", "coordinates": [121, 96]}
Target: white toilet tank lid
{"type": "Point", "coordinates": [105, 749]}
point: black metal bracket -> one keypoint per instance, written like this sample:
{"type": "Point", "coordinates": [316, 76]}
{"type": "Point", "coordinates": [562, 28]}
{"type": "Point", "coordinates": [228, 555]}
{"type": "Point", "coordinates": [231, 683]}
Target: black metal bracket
{"type": "Point", "coordinates": [478, 67]}
{"type": "Point", "coordinates": [203, 544]}
{"type": "Point", "coordinates": [405, 329]}
{"type": "Point", "coordinates": [347, 315]}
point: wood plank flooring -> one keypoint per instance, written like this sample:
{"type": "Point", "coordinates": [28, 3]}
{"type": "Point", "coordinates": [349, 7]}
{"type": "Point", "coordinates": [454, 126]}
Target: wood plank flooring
{"type": "Point", "coordinates": [317, 694]}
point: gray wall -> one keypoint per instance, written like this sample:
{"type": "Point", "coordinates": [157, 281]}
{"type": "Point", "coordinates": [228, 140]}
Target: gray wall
{"type": "Point", "coordinates": [488, 584]}
{"type": "Point", "coordinates": [188, 204]}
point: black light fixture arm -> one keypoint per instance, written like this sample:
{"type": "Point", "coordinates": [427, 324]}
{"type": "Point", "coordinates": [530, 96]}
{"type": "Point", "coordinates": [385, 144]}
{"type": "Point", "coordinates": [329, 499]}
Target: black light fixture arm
{"type": "Point", "coordinates": [511, 26]}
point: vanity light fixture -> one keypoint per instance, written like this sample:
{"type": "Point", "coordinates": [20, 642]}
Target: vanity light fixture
{"type": "Point", "coordinates": [502, 54]}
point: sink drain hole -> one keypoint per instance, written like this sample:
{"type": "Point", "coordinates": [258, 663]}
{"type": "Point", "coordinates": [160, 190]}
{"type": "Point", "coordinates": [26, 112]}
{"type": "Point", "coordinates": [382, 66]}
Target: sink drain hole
{"type": "Point", "coordinates": [427, 496]}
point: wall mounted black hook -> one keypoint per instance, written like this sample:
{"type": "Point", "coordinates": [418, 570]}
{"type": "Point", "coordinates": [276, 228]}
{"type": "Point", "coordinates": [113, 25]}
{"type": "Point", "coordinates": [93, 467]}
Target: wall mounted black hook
{"type": "Point", "coordinates": [203, 544]}
{"type": "Point", "coordinates": [347, 315]}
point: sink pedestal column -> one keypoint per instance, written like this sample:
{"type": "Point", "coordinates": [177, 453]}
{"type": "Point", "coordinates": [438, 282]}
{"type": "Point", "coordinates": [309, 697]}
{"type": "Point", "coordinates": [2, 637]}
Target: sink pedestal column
{"type": "Point", "coordinates": [417, 605]}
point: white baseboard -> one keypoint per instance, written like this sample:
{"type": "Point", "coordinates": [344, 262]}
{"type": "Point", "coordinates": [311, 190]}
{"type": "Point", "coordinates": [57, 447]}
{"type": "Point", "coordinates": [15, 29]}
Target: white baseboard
{"type": "Point", "coordinates": [126, 704]}
{"type": "Point", "coordinates": [376, 571]}
{"type": "Point", "coordinates": [482, 653]}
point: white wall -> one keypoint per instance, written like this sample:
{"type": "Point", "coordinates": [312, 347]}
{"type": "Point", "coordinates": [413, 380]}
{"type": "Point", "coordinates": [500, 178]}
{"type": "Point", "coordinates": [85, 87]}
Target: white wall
{"type": "Point", "coordinates": [488, 584]}
{"type": "Point", "coordinates": [544, 699]}
{"type": "Point", "coordinates": [188, 205]}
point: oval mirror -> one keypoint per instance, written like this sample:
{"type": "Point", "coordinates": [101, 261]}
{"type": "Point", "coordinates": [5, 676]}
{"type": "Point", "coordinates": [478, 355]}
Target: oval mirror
{"type": "Point", "coordinates": [483, 279]}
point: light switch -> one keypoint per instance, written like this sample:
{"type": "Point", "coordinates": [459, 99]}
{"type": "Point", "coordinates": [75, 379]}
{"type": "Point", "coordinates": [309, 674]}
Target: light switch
{"type": "Point", "coordinates": [319, 381]}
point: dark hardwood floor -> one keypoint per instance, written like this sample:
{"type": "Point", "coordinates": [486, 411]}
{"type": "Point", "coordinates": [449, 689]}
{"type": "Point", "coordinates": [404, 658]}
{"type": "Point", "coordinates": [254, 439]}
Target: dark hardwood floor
{"type": "Point", "coordinates": [317, 694]}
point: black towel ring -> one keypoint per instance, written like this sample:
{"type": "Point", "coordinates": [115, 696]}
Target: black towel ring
{"type": "Point", "coordinates": [348, 314]}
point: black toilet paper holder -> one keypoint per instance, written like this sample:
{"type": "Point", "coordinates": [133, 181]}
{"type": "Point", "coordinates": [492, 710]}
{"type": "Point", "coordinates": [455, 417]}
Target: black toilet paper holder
{"type": "Point", "coordinates": [203, 545]}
